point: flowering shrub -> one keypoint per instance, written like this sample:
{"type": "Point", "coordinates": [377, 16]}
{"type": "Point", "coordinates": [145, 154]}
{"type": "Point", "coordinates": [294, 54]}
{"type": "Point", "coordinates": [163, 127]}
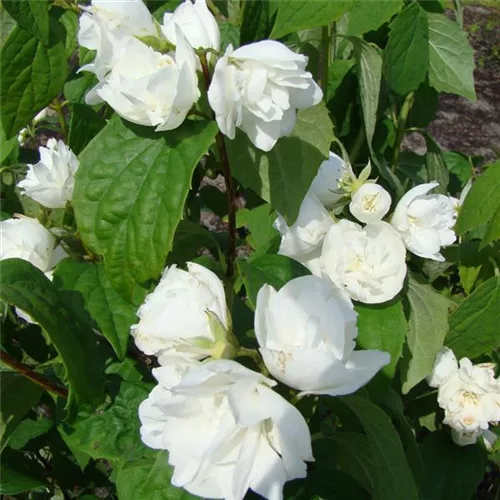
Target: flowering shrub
{"type": "Point", "coordinates": [221, 274]}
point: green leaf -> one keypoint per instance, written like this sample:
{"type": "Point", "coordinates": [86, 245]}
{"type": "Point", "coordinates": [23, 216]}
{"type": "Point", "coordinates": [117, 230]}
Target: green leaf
{"type": "Point", "coordinates": [482, 205]}
{"type": "Point", "coordinates": [423, 111]}
{"type": "Point", "coordinates": [451, 58]}
{"type": "Point", "coordinates": [369, 70]}
{"type": "Point", "coordinates": [27, 430]}
{"type": "Point", "coordinates": [436, 167]}
{"type": "Point", "coordinates": [383, 328]}
{"type": "Point", "coordinates": [474, 325]}
{"type": "Point", "coordinates": [451, 472]}
{"type": "Point", "coordinates": [428, 327]}
{"type": "Point", "coordinates": [259, 222]}
{"type": "Point", "coordinates": [32, 75]}
{"type": "Point", "coordinates": [149, 479]}
{"type": "Point", "coordinates": [7, 24]}
{"type": "Point", "coordinates": [257, 22]}
{"type": "Point", "coordinates": [69, 21]}
{"type": "Point", "coordinates": [6, 146]}
{"type": "Point", "coordinates": [112, 313]}
{"type": "Point", "coordinates": [392, 476]}
{"type": "Point", "coordinates": [130, 189]}
{"type": "Point", "coordinates": [20, 474]}
{"type": "Point", "coordinates": [77, 86]}
{"type": "Point", "coordinates": [275, 270]}
{"type": "Point", "coordinates": [459, 166]}
{"type": "Point", "coordinates": [283, 176]}
{"type": "Point", "coordinates": [110, 432]}
{"type": "Point", "coordinates": [367, 16]}
{"type": "Point", "coordinates": [295, 15]}
{"type": "Point", "coordinates": [18, 396]}
{"type": "Point", "coordinates": [406, 56]}
{"type": "Point", "coordinates": [32, 16]}
{"type": "Point", "coordinates": [27, 288]}
{"type": "Point", "coordinates": [336, 72]}
{"type": "Point", "coordinates": [85, 123]}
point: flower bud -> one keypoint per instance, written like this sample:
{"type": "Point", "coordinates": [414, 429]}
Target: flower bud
{"type": "Point", "coordinates": [370, 203]}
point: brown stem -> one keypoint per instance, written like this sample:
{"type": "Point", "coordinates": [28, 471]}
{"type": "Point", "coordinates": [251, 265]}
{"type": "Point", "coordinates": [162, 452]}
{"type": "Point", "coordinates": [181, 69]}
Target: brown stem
{"type": "Point", "coordinates": [228, 178]}
{"type": "Point", "coordinates": [38, 379]}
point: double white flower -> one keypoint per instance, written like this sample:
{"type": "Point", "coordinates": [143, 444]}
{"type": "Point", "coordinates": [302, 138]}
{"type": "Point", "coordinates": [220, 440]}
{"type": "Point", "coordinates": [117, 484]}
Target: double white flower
{"type": "Point", "coordinates": [469, 395]}
{"type": "Point", "coordinates": [307, 332]}
{"type": "Point", "coordinates": [186, 314]}
{"type": "Point", "coordinates": [258, 88]}
{"type": "Point", "coordinates": [51, 181]}
{"type": "Point", "coordinates": [425, 221]}
{"type": "Point", "coordinates": [226, 430]}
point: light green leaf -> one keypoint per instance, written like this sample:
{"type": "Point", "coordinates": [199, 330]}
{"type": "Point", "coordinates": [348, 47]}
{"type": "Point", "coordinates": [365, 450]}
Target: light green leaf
{"type": "Point", "coordinates": [451, 58]}
{"type": "Point", "coordinates": [18, 396]}
{"type": "Point", "coordinates": [474, 325]}
{"type": "Point", "coordinates": [69, 21]}
{"type": "Point", "coordinates": [29, 429]}
{"type": "Point", "coordinates": [112, 431]}
{"type": "Point", "coordinates": [275, 270]}
{"type": "Point", "coordinates": [283, 176]}
{"type": "Point", "coordinates": [369, 69]}
{"type": "Point", "coordinates": [27, 288]}
{"type": "Point", "coordinates": [32, 75]}
{"type": "Point", "coordinates": [392, 476]}
{"type": "Point", "coordinates": [130, 189]}
{"type": "Point", "coordinates": [32, 16]}
{"type": "Point", "coordinates": [7, 24]}
{"type": "Point", "coordinates": [295, 15]}
{"type": "Point", "coordinates": [428, 327]}
{"type": "Point", "coordinates": [406, 56]}
{"type": "Point", "coordinates": [383, 328]}
{"type": "Point", "coordinates": [459, 166]}
{"type": "Point", "coordinates": [451, 472]}
{"type": "Point", "coordinates": [482, 205]}
{"type": "Point", "coordinates": [149, 479]}
{"type": "Point", "coordinates": [112, 313]}
{"type": "Point", "coordinates": [367, 16]}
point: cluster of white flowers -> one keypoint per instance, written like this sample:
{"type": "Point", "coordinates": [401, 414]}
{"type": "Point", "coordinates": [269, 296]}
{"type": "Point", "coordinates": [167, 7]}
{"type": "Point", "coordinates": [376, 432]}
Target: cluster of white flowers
{"type": "Point", "coordinates": [147, 72]}
{"type": "Point", "coordinates": [223, 425]}
{"type": "Point", "coordinates": [469, 395]}
{"type": "Point", "coordinates": [367, 262]}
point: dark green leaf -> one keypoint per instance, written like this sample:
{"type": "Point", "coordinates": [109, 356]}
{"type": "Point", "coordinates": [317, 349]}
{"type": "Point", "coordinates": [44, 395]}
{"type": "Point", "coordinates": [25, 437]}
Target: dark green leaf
{"type": "Point", "coordinates": [383, 328]}
{"type": "Point", "coordinates": [460, 167]}
{"type": "Point", "coordinates": [149, 479]}
{"type": "Point", "coordinates": [392, 476]}
{"type": "Point", "coordinates": [32, 16]}
{"type": "Point", "coordinates": [130, 189]}
{"type": "Point", "coordinates": [256, 24]}
{"type": "Point", "coordinates": [84, 125]}
{"type": "Point", "coordinates": [425, 103]}
{"type": "Point", "coordinates": [112, 313]}
{"type": "Point", "coordinates": [29, 429]}
{"type": "Point", "coordinates": [369, 69]}
{"type": "Point", "coordinates": [451, 472]}
{"type": "Point", "coordinates": [283, 176]}
{"type": "Point", "coordinates": [19, 474]}
{"type": "Point", "coordinates": [367, 16]}
{"type": "Point", "coordinates": [27, 288]}
{"type": "Point", "coordinates": [275, 270]}
{"type": "Point", "coordinates": [18, 395]}
{"type": "Point", "coordinates": [295, 15]}
{"type": "Point", "coordinates": [482, 205]}
{"type": "Point", "coordinates": [406, 56]}
{"type": "Point", "coordinates": [229, 34]}
{"type": "Point", "coordinates": [451, 58]}
{"type": "Point", "coordinates": [336, 73]}
{"type": "Point", "coordinates": [428, 327]}
{"type": "Point", "coordinates": [110, 432]}
{"type": "Point", "coordinates": [32, 75]}
{"type": "Point", "coordinates": [7, 24]}
{"type": "Point", "coordinates": [474, 325]}
{"type": "Point", "coordinates": [436, 169]}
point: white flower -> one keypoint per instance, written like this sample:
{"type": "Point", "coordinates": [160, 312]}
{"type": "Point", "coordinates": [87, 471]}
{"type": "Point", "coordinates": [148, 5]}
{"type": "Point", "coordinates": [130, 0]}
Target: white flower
{"type": "Point", "coordinates": [258, 88]}
{"type": "Point", "coordinates": [469, 395]}
{"type": "Point", "coordinates": [106, 25]}
{"type": "Point", "coordinates": [370, 203]}
{"type": "Point", "coordinates": [51, 181]}
{"type": "Point", "coordinates": [25, 132]}
{"type": "Point", "coordinates": [306, 334]}
{"type": "Point", "coordinates": [186, 313]}
{"type": "Point", "coordinates": [327, 186]}
{"type": "Point", "coordinates": [27, 239]}
{"type": "Point", "coordinates": [425, 221]}
{"type": "Point", "coordinates": [369, 263]}
{"type": "Point", "coordinates": [226, 431]}
{"type": "Point", "coordinates": [303, 240]}
{"type": "Point", "coordinates": [196, 23]}
{"type": "Point", "coordinates": [150, 88]}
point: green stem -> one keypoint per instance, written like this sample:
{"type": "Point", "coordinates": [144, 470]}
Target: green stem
{"type": "Point", "coordinates": [358, 144]}
{"type": "Point", "coordinates": [325, 58]}
{"type": "Point", "coordinates": [401, 129]}
{"type": "Point", "coordinates": [228, 178]}
{"type": "Point", "coordinates": [244, 352]}
{"type": "Point", "coordinates": [58, 108]}
{"type": "Point", "coordinates": [38, 379]}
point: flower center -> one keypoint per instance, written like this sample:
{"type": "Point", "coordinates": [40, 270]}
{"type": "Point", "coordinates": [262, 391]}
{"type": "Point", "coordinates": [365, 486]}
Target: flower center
{"type": "Point", "coordinates": [370, 202]}
{"type": "Point", "coordinates": [469, 398]}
